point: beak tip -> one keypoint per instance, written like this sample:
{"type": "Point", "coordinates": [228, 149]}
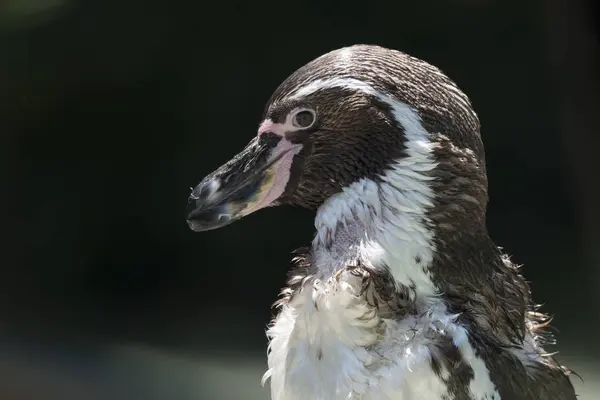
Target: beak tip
{"type": "Point", "coordinates": [194, 226]}
{"type": "Point", "coordinates": [198, 226]}
{"type": "Point", "coordinates": [201, 219]}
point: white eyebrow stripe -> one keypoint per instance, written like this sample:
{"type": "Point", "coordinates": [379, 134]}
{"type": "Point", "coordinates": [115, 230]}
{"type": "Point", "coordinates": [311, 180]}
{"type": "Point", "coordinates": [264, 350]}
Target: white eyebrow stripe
{"type": "Point", "coordinates": [345, 83]}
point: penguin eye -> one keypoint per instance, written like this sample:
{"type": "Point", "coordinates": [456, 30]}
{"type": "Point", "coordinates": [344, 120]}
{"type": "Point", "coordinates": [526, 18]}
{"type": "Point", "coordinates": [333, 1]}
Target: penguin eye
{"type": "Point", "coordinates": [303, 119]}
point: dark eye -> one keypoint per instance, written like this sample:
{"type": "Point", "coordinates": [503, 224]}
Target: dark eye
{"type": "Point", "coordinates": [303, 119]}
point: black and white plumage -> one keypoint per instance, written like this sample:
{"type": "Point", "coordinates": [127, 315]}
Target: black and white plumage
{"type": "Point", "coordinates": [401, 295]}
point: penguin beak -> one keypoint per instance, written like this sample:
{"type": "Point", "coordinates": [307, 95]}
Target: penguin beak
{"type": "Point", "coordinates": [253, 179]}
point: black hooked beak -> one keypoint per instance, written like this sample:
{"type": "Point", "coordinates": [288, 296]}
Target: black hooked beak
{"type": "Point", "coordinates": [248, 182]}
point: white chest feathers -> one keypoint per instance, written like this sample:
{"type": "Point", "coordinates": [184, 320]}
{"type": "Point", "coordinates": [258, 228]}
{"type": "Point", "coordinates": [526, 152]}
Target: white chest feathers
{"type": "Point", "coordinates": [328, 343]}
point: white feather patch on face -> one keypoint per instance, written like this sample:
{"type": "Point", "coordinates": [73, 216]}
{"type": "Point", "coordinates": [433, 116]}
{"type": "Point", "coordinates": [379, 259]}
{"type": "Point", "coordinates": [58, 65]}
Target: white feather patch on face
{"type": "Point", "coordinates": [386, 219]}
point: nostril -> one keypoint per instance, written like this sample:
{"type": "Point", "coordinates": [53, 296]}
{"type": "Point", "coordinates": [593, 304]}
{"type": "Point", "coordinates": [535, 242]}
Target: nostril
{"type": "Point", "coordinates": [203, 218]}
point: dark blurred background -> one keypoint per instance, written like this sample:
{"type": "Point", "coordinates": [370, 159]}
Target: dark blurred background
{"type": "Point", "coordinates": [110, 111]}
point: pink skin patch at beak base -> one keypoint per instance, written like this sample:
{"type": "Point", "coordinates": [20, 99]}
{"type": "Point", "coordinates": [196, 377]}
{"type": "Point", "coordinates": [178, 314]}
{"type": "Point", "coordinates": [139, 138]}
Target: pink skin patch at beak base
{"type": "Point", "coordinates": [280, 128]}
{"type": "Point", "coordinates": [270, 126]}
{"type": "Point", "coordinates": [279, 173]}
